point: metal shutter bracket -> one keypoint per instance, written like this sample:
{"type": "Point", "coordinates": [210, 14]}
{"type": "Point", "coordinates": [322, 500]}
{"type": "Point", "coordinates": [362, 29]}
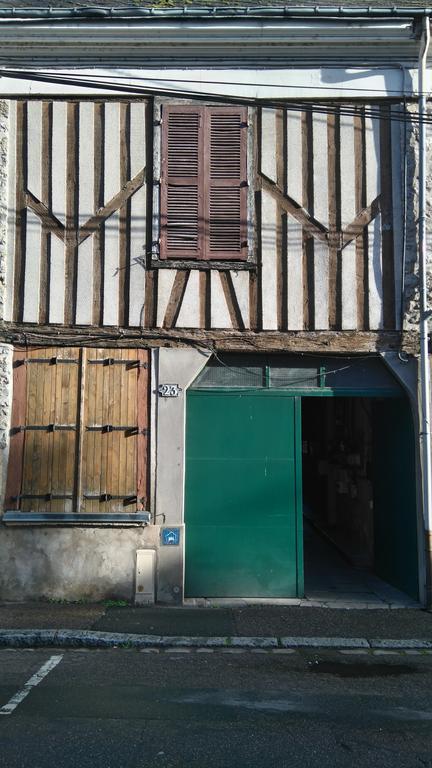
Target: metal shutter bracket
{"type": "Point", "coordinates": [102, 497]}
{"type": "Point", "coordinates": [111, 428]}
{"type": "Point", "coordinates": [44, 496]}
{"type": "Point", "coordinates": [44, 428]}
{"type": "Point", "coordinates": [114, 361]}
{"type": "Point", "coordinates": [48, 360]}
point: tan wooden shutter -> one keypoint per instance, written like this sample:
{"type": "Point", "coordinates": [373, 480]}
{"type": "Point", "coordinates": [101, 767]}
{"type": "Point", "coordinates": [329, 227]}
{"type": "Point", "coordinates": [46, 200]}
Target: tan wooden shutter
{"type": "Point", "coordinates": [226, 176]}
{"type": "Point", "coordinates": [42, 462]}
{"type": "Point", "coordinates": [79, 437]}
{"type": "Point", "coordinates": [182, 183]}
{"type": "Point", "coordinates": [115, 428]}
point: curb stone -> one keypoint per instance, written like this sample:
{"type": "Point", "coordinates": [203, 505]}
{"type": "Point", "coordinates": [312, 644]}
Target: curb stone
{"type": "Point", "coordinates": [395, 644]}
{"type": "Point", "coordinates": [324, 642]}
{"type": "Point", "coordinates": [69, 638]}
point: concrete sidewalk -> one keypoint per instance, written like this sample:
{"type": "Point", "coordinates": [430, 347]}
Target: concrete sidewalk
{"type": "Point", "coordinates": [104, 625]}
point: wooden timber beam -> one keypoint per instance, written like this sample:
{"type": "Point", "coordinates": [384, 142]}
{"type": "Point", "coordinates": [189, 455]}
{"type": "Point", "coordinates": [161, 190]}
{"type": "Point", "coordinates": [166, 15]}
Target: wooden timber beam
{"type": "Point", "coordinates": [116, 202]}
{"type": "Point", "coordinates": [362, 220]}
{"type": "Point", "coordinates": [53, 225]}
{"type": "Point", "coordinates": [336, 238]}
{"type": "Point", "coordinates": [312, 226]}
{"type": "Point", "coordinates": [50, 222]}
{"type": "Point", "coordinates": [323, 342]}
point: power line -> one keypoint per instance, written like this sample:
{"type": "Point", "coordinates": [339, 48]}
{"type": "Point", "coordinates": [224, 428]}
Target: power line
{"type": "Point", "coordinates": [249, 84]}
{"type": "Point", "coordinates": [355, 110]}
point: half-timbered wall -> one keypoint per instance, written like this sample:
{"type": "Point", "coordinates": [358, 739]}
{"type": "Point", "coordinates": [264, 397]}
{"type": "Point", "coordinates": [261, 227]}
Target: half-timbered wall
{"type": "Point", "coordinates": [77, 223]}
{"type": "Point", "coordinates": [327, 218]}
{"type": "Point", "coordinates": [331, 219]}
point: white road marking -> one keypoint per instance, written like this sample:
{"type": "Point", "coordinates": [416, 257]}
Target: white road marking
{"type": "Point", "coordinates": [34, 680]}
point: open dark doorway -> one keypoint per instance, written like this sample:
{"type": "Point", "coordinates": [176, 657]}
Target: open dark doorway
{"type": "Point", "coordinates": [359, 499]}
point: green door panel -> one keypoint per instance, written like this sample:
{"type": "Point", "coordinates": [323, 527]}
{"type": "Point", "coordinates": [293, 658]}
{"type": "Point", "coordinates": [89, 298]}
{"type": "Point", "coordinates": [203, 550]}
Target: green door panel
{"type": "Point", "coordinates": [242, 510]}
{"type": "Point", "coordinates": [395, 509]}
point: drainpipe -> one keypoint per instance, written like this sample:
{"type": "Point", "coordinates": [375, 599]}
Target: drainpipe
{"type": "Point", "coordinates": [425, 433]}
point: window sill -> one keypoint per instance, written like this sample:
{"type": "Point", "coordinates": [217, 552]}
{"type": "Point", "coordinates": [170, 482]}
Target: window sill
{"type": "Point", "coordinates": [15, 517]}
{"type": "Point", "coordinates": [237, 266]}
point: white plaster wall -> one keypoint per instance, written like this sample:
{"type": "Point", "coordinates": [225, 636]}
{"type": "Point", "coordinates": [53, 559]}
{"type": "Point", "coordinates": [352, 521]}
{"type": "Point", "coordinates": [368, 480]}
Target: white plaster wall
{"type": "Point", "coordinates": [176, 366]}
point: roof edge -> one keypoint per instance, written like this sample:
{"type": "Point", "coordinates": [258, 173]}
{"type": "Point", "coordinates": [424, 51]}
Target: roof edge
{"type": "Point", "coordinates": [133, 12]}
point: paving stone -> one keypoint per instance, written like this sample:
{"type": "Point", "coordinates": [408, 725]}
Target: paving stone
{"type": "Point", "coordinates": [178, 650]}
{"type": "Point", "coordinates": [233, 650]}
{"type": "Point", "coordinates": [388, 652]}
{"type": "Point", "coordinates": [341, 604]}
{"type": "Point", "coordinates": [355, 652]}
{"type": "Point", "coordinates": [283, 650]}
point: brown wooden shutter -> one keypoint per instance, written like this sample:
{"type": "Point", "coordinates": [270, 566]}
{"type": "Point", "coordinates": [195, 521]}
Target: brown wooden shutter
{"type": "Point", "coordinates": [42, 462]}
{"type": "Point", "coordinates": [115, 432]}
{"type": "Point", "coordinates": [226, 180]}
{"type": "Point", "coordinates": [182, 183]}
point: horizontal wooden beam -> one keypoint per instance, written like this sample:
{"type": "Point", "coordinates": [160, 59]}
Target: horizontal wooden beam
{"type": "Point", "coordinates": [323, 342]}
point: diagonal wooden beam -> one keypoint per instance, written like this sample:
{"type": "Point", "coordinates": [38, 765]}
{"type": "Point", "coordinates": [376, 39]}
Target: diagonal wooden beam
{"type": "Point", "coordinates": [51, 223]}
{"type": "Point", "coordinates": [176, 298]}
{"type": "Point", "coordinates": [56, 227]}
{"type": "Point", "coordinates": [362, 220]}
{"type": "Point", "coordinates": [116, 202]}
{"type": "Point", "coordinates": [312, 226]}
{"type": "Point", "coordinates": [231, 300]}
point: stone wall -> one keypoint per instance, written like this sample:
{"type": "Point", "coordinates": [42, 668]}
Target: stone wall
{"type": "Point", "coordinates": [412, 303]}
{"type": "Point", "coordinates": [71, 563]}
{"type": "Point", "coordinates": [4, 111]}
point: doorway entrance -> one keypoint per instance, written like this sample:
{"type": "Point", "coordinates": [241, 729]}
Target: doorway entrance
{"type": "Point", "coordinates": [255, 425]}
{"type": "Point", "coordinates": [359, 500]}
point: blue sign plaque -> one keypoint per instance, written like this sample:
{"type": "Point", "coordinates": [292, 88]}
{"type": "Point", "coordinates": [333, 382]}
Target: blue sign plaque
{"type": "Point", "coordinates": [171, 536]}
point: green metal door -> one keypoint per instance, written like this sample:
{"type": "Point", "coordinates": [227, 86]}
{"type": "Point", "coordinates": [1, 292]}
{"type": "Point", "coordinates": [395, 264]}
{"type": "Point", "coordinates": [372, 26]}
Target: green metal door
{"type": "Point", "coordinates": [395, 507]}
{"type": "Point", "coordinates": [243, 495]}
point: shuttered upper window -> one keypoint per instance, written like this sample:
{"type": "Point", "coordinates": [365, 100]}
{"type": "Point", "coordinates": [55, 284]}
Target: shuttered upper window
{"type": "Point", "coordinates": [204, 183]}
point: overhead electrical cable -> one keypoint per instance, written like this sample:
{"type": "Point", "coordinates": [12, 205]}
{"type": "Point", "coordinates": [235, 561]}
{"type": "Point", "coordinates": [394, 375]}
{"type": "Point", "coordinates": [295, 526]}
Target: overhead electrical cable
{"type": "Point", "coordinates": [342, 109]}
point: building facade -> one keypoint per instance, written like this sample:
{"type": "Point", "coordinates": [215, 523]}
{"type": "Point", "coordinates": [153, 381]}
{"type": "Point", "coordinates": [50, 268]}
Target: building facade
{"type": "Point", "coordinates": [209, 328]}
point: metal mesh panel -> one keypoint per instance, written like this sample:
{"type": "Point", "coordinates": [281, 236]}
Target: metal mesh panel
{"type": "Point", "coordinates": [294, 375]}
{"type": "Point", "coordinates": [232, 371]}
{"type": "Point", "coordinates": [289, 372]}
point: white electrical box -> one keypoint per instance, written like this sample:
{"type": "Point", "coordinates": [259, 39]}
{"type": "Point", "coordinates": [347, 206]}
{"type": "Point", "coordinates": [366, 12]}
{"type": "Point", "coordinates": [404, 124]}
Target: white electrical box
{"type": "Point", "coordinates": [145, 576]}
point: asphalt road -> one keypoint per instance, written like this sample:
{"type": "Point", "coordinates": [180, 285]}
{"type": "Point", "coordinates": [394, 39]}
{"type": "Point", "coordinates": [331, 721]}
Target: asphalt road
{"type": "Point", "coordinates": [131, 709]}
